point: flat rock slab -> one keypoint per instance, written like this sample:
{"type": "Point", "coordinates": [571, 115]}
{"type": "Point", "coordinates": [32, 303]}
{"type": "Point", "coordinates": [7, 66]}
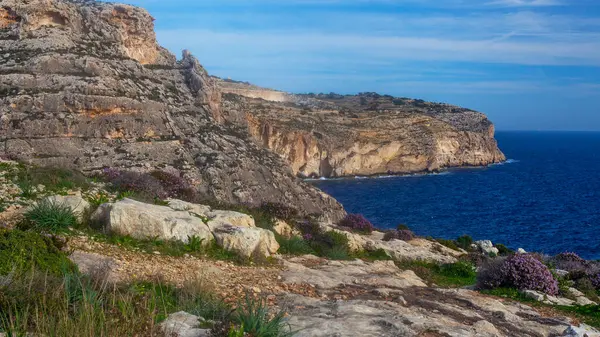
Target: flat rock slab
{"type": "Point", "coordinates": [332, 274]}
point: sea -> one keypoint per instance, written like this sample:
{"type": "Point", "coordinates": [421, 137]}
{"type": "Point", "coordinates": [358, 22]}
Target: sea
{"type": "Point", "coordinates": [545, 198]}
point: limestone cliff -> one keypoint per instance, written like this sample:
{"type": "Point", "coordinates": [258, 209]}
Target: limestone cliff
{"type": "Point", "coordinates": [367, 134]}
{"type": "Point", "coordinates": [84, 84]}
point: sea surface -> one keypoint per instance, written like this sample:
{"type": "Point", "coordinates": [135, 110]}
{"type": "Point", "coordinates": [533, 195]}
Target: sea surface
{"type": "Point", "coordinates": [545, 198]}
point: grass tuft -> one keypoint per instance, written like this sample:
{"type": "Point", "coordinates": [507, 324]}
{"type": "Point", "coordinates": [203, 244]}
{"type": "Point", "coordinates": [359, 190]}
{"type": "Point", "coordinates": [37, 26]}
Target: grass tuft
{"type": "Point", "coordinates": [49, 216]}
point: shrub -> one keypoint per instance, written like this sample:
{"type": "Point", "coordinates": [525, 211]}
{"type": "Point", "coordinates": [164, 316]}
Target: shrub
{"type": "Point", "coordinates": [491, 274]}
{"type": "Point", "coordinates": [403, 234]}
{"type": "Point", "coordinates": [570, 262]}
{"type": "Point", "coordinates": [460, 269]}
{"type": "Point", "coordinates": [401, 227]}
{"type": "Point", "coordinates": [144, 185]}
{"type": "Point", "coordinates": [24, 251]}
{"type": "Point", "coordinates": [49, 216]}
{"type": "Point", "coordinates": [595, 279]}
{"type": "Point", "coordinates": [174, 186]}
{"type": "Point", "coordinates": [293, 246]}
{"type": "Point", "coordinates": [503, 250]}
{"type": "Point", "coordinates": [332, 245]}
{"type": "Point", "coordinates": [357, 223]}
{"type": "Point", "coordinates": [448, 243]}
{"type": "Point", "coordinates": [465, 242]}
{"type": "Point", "coordinates": [279, 211]}
{"type": "Point", "coordinates": [523, 271]}
{"type": "Point", "coordinates": [254, 318]}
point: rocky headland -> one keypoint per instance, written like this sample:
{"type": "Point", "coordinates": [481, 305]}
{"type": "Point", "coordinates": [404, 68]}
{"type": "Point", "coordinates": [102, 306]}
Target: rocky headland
{"type": "Point", "coordinates": [330, 135]}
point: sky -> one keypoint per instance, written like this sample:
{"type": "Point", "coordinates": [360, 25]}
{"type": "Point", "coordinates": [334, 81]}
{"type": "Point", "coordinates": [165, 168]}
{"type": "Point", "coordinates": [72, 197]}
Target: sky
{"type": "Point", "coordinates": [527, 64]}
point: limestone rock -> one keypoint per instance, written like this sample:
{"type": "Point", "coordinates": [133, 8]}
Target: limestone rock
{"type": "Point", "coordinates": [360, 135]}
{"type": "Point", "coordinates": [331, 274]}
{"type": "Point", "coordinates": [284, 229]}
{"type": "Point", "coordinates": [182, 324]}
{"type": "Point", "coordinates": [218, 219]}
{"type": "Point", "coordinates": [521, 251]}
{"type": "Point", "coordinates": [85, 85]}
{"type": "Point", "coordinates": [486, 247]}
{"type": "Point", "coordinates": [76, 203]}
{"type": "Point", "coordinates": [95, 264]}
{"type": "Point", "coordinates": [583, 330]}
{"type": "Point", "coordinates": [246, 241]}
{"type": "Point", "coordinates": [179, 205]}
{"type": "Point", "coordinates": [548, 299]}
{"type": "Point", "coordinates": [145, 221]}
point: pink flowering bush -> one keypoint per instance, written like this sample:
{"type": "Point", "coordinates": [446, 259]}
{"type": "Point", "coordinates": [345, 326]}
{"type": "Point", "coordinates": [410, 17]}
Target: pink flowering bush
{"type": "Point", "coordinates": [357, 223]}
{"type": "Point", "coordinates": [403, 234]}
{"type": "Point", "coordinates": [521, 271]}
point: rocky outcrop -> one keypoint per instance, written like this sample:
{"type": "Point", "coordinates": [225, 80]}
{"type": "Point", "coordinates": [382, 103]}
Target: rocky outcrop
{"type": "Point", "coordinates": [364, 135]}
{"type": "Point", "coordinates": [84, 84]}
{"type": "Point", "coordinates": [180, 221]}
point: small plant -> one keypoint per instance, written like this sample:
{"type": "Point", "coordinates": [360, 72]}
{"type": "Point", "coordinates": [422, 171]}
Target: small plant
{"type": "Point", "coordinates": [253, 316]}
{"type": "Point", "coordinates": [357, 223]}
{"type": "Point", "coordinates": [402, 227]}
{"type": "Point", "coordinates": [195, 244]}
{"type": "Point", "coordinates": [98, 199]}
{"type": "Point", "coordinates": [49, 216]}
{"type": "Point", "coordinates": [458, 274]}
{"type": "Point", "coordinates": [464, 242]}
{"type": "Point", "coordinates": [293, 246]}
{"type": "Point", "coordinates": [401, 234]}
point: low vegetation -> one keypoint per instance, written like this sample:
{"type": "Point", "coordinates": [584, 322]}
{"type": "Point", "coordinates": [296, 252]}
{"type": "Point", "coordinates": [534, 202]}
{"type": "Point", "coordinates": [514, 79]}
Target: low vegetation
{"type": "Point", "coordinates": [357, 223]}
{"type": "Point", "coordinates": [457, 274]}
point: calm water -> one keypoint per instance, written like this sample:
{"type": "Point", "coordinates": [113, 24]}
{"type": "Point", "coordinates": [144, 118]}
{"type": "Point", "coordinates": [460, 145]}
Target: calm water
{"type": "Point", "coordinates": [545, 199]}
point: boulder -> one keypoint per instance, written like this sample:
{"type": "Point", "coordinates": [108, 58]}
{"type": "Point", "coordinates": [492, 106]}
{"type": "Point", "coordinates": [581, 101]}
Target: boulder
{"type": "Point", "coordinates": [246, 241]}
{"type": "Point", "coordinates": [182, 324]}
{"type": "Point", "coordinates": [218, 219]}
{"type": "Point", "coordinates": [583, 330]}
{"type": "Point", "coordinates": [486, 247]}
{"type": "Point", "coordinates": [76, 203]}
{"type": "Point", "coordinates": [548, 299]}
{"type": "Point", "coordinates": [284, 229]}
{"type": "Point", "coordinates": [146, 221]}
{"type": "Point", "coordinates": [195, 209]}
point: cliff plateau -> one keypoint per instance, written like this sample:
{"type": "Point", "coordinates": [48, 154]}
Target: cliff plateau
{"type": "Point", "coordinates": [84, 84]}
{"type": "Point", "coordinates": [330, 135]}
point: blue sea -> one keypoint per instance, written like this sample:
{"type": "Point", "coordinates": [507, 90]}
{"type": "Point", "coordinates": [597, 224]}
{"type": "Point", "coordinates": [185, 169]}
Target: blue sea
{"type": "Point", "coordinates": [545, 198]}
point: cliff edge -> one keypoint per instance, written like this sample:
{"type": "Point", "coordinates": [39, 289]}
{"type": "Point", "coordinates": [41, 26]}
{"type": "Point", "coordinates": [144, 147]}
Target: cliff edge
{"type": "Point", "coordinates": [330, 135]}
{"type": "Point", "coordinates": [85, 85]}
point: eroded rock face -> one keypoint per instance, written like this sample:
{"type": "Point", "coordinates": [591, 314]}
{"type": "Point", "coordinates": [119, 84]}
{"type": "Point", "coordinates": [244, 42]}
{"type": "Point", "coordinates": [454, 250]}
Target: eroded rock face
{"type": "Point", "coordinates": [84, 84]}
{"type": "Point", "coordinates": [362, 135]}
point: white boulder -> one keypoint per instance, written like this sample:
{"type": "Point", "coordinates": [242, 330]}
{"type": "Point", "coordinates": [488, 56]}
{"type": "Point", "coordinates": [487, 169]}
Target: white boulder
{"type": "Point", "coordinates": [246, 241]}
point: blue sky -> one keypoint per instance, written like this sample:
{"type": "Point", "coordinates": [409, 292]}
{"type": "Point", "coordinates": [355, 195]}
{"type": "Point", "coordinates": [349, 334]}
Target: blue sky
{"type": "Point", "coordinates": [528, 64]}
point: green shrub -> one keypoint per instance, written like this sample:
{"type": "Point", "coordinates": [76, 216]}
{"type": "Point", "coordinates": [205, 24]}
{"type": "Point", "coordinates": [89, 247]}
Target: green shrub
{"type": "Point", "coordinates": [254, 318]}
{"type": "Point", "coordinates": [448, 243]}
{"type": "Point", "coordinates": [293, 246]}
{"type": "Point", "coordinates": [331, 244]}
{"type": "Point", "coordinates": [49, 216]}
{"type": "Point", "coordinates": [464, 242]}
{"type": "Point", "coordinates": [375, 255]}
{"type": "Point", "coordinates": [98, 199]}
{"type": "Point", "coordinates": [503, 250]}
{"type": "Point", "coordinates": [54, 179]}
{"type": "Point", "coordinates": [460, 269]}
{"type": "Point", "coordinates": [23, 251]}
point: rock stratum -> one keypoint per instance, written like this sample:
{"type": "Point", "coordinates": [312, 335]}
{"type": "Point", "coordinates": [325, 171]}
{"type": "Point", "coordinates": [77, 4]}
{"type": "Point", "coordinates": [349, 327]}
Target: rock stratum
{"type": "Point", "coordinates": [84, 84]}
{"type": "Point", "coordinates": [330, 135]}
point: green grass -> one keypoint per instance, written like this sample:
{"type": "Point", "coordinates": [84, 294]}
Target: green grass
{"type": "Point", "coordinates": [78, 305]}
{"type": "Point", "coordinates": [194, 247]}
{"type": "Point", "coordinates": [49, 216]}
{"type": "Point", "coordinates": [453, 275]}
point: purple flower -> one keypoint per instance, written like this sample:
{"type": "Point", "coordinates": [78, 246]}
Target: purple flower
{"type": "Point", "coordinates": [595, 281]}
{"type": "Point", "coordinates": [307, 237]}
{"type": "Point", "coordinates": [524, 271]}
{"type": "Point", "coordinates": [357, 223]}
{"type": "Point", "coordinates": [403, 234]}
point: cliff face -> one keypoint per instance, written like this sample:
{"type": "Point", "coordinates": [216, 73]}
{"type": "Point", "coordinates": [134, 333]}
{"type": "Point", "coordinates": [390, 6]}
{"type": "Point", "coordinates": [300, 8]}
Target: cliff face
{"type": "Point", "coordinates": [84, 84]}
{"type": "Point", "coordinates": [334, 135]}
